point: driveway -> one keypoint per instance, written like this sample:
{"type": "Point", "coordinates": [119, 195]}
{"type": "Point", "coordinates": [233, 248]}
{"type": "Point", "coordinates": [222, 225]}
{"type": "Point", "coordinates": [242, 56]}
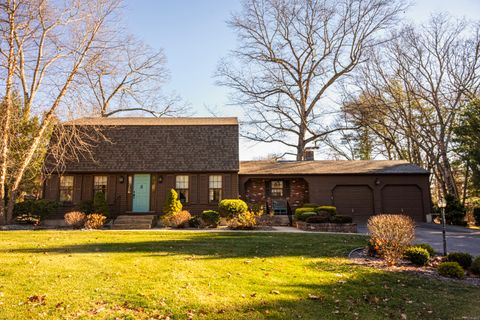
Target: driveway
{"type": "Point", "coordinates": [458, 238]}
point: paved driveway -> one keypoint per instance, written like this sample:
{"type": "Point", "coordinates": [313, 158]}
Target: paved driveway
{"type": "Point", "coordinates": [458, 238]}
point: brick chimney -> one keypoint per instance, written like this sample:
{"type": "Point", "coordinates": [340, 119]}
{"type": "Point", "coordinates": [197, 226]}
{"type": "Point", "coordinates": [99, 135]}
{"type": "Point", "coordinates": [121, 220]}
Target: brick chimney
{"type": "Point", "coordinates": [308, 155]}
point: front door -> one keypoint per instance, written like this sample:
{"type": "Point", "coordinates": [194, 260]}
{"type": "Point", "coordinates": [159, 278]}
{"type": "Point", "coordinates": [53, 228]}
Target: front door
{"type": "Point", "coordinates": [141, 193]}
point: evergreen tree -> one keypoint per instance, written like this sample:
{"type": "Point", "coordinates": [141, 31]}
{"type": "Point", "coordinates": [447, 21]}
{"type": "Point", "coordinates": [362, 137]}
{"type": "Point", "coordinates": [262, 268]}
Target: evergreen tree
{"type": "Point", "coordinates": [173, 204]}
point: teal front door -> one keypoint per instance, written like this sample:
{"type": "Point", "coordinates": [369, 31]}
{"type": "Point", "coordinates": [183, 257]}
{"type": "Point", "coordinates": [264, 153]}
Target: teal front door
{"type": "Point", "coordinates": [141, 193]}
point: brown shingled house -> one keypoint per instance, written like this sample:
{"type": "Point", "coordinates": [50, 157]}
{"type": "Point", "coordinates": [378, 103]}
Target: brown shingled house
{"type": "Point", "coordinates": [199, 157]}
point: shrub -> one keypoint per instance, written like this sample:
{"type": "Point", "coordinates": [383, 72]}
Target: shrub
{"type": "Point", "coordinates": [302, 210]}
{"type": "Point", "coordinates": [331, 210]}
{"type": "Point", "coordinates": [317, 219]}
{"type": "Point", "coordinates": [95, 221]}
{"type": "Point", "coordinates": [341, 219]}
{"type": "Point", "coordinates": [245, 220]}
{"type": "Point", "coordinates": [210, 218]}
{"type": "Point", "coordinates": [100, 204]}
{"type": "Point", "coordinates": [177, 220]}
{"type": "Point", "coordinates": [476, 215]}
{"type": "Point", "coordinates": [33, 211]}
{"type": "Point", "coordinates": [392, 234]}
{"type": "Point", "coordinates": [231, 208]}
{"type": "Point", "coordinates": [451, 270]}
{"type": "Point", "coordinates": [418, 256]}
{"type": "Point", "coordinates": [455, 211]}
{"type": "Point", "coordinates": [86, 206]}
{"type": "Point", "coordinates": [464, 259]}
{"type": "Point", "coordinates": [475, 268]}
{"type": "Point", "coordinates": [173, 204]}
{"type": "Point", "coordinates": [256, 208]}
{"type": "Point", "coordinates": [427, 247]}
{"type": "Point", "coordinates": [305, 215]}
{"type": "Point", "coordinates": [75, 219]}
{"type": "Point", "coordinates": [195, 222]}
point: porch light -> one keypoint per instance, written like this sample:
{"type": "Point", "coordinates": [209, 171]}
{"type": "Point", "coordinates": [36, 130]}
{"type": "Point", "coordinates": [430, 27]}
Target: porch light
{"type": "Point", "coordinates": [121, 179]}
{"type": "Point", "coordinates": [377, 181]}
{"type": "Point", "coordinates": [160, 179]}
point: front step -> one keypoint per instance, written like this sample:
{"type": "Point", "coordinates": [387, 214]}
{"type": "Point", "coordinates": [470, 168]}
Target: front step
{"type": "Point", "coordinates": [125, 222]}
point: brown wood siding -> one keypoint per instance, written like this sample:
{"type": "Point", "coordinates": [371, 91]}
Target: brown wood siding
{"type": "Point", "coordinates": [226, 187]}
{"type": "Point", "coordinates": [193, 185]}
{"type": "Point", "coordinates": [203, 189]}
{"type": "Point", "coordinates": [405, 199]}
{"type": "Point", "coordinates": [111, 189]}
{"type": "Point", "coordinates": [51, 187]}
{"type": "Point", "coordinates": [77, 188]}
{"type": "Point", "coordinates": [87, 188]}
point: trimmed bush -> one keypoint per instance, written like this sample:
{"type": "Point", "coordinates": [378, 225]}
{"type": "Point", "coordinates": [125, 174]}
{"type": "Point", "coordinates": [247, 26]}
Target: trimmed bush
{"type": "Point", "coordinates": [95, 221]}
{"type": "Point", "coordinates": [256, 208]}
{"type": "Point", "coordinates": [210, 218]}
{"type": "Point", "coordinates": [173, 204]}
{"type": "Point", "coordinates": [195, 222]}
{"type": "Point", "coordinates": [464, 259]}
{"type": "Point", "coordinates": [475, 268]}
{"type": "Point", "coordinates": [328, 209]}
{"type": "Point", "coordinates": [75, 219]}
{"type": "Point", "coordinates": [305, 215]}
{"type": "Point", "coordinates": [100, 204]}
{"type": "Point", "coordinates": [427, 247]}
{"type": "Point", "coordinates": [86, 206]}
{"type": "Point", "coordinates": [317, 219]}
{"type": "Point", "coordinates": [418, 256]}
{"type": "Point", "coordinates": [451, 269]}
{"type": "Point", "coordinates": [392, 234]}
{"type": "Point", "coordinates": [243, 221]}
{"type": "Point", "coordinates": [33, 211]}
{"type": "Point", "coordinates": [341, 219]}
{"type": "Point", "coordinates": [177, 220]}
{"type": "Point", "coordinates": [300, 211]}
{"type": "Point", "coordinates": [231, 208]}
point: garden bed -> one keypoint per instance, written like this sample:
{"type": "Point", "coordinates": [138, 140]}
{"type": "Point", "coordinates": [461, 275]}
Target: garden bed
{"type": "Point", "coordinates": [327, 227]}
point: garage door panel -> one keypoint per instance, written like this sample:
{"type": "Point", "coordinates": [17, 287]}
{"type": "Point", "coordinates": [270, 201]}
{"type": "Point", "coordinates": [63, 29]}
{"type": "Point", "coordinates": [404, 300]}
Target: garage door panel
{"type": "Point", "coordinates": [355, 201]}
{"type": "Point", "coordinates": [406, 199]}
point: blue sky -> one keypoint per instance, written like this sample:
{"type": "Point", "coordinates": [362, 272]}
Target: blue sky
{"type": "Point", "coordinates": [195, 37]}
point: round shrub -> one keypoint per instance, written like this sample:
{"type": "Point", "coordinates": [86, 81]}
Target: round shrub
{"type": "Point", "coordinates": [177, 220]}
{"type": "Point", "coordinates": [243, 221]}
{"type": "Point", "coordinates": [300, 211]}
{"type": "Point", "coordinates": [305, 215]}
{"type": "Point", "coordinates": [427, 247]}
{"type": "Point", "coordinates": [231, 208]}
{"type": "Point", "coordinates": [392, 233]}
{"type": "Point", "coordinates": [95, 221]}
{"type": "Point", "coordinates": [75, 219]}
{"type": "Point", "coordinates": [475, 268]}
{"type": "Point", "coordinates": [317, 219]}
{"type": "Point", "coordinates": [331, 210]}
{"type": "Point", "coordinates": [464, 259]}
{"type": "Point", "coordinates": [451, 269]}
{"type": "Point", "coordinates": [341, 219]}
{"type": "Point", "coordinates": [418, 256]}
{"type": "Point", "coordinates": [210, 218]}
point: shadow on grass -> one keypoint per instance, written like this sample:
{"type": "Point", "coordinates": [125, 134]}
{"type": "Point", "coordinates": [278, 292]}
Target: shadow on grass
{"type": "Point", "coordinates": [222, 245]}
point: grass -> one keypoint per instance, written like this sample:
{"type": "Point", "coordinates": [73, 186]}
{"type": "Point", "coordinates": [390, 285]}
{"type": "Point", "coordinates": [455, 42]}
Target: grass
{"type": "Point", "coordinates": [183, 275]}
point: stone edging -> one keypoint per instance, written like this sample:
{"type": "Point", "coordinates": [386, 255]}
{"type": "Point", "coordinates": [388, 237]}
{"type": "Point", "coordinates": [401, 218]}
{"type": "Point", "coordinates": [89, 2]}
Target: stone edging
{"type": "Point", "coordinates": [327, 227]}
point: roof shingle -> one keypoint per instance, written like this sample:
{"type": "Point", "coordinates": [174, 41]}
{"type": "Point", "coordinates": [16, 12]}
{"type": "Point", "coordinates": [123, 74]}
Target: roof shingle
{"type": "Point", "coordinates": [269, 167]}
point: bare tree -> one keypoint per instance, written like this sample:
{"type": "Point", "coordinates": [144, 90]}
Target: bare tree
{"type": "Point", "coordinates": [53, 43]}
{"type": "Point", "coordinates": [129, 79]}
{"type": "Point", "coordinates": [412, 90]}
{"type": "Point", "coordinates": [291, 54]}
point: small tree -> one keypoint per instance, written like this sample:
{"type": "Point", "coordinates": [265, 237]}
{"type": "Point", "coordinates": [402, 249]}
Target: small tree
{"type": "Point", "coordinates": [100, 204]}
{"type": "Point", "coordinates": [173, 204]}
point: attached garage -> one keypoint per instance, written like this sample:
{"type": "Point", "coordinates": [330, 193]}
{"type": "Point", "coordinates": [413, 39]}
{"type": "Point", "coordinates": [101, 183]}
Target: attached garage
{"type": "Point", "coordinates": [405, 199]}
{"type": "Point", "coordinates": [358, 189]}
{"type": "Point", "coordinates": [355, 201]}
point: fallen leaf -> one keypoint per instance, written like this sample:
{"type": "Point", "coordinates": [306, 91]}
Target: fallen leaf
{"type": "Point", "coordinates": [275, 292]}
{"type": "Point", "coordinates": [314, 297]}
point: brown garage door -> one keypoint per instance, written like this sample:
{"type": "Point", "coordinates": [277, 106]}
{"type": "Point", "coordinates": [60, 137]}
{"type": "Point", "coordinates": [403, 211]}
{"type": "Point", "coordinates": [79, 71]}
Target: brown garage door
{"type": "Point", "coordinates": [405, 199]}
{"type": "Point", "coordinates": [354, 201]}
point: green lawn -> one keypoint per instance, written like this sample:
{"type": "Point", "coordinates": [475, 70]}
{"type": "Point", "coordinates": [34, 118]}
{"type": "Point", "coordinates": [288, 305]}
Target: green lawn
{"type": "Point", "coordinates": [152, 275]}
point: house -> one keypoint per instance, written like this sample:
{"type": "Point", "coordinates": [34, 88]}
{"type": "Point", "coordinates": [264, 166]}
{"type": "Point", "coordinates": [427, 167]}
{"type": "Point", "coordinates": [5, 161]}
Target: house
{"type": "Point", "coordinates": [141, 159]}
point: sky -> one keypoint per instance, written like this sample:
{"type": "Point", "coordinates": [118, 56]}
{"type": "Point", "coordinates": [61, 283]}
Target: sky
{"type": "Point", "coordinates": [194, 36]}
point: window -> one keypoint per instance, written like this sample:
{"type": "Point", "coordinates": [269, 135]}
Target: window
{"type": "Point", "coordinates": [181, 185]}
{"type": "Point", "coordinates": [100, 185]}
{"type": "Point", "coordinates": [277, 188]}
{"type": "Point", "coordinates": [66, 188]}
{"type": "Point", "coordinates": [215, 188]}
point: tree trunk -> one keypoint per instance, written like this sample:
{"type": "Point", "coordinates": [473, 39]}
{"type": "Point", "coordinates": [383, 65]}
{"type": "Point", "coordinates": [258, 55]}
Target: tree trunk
{"type": "Point", "coordinates": [10, 7]}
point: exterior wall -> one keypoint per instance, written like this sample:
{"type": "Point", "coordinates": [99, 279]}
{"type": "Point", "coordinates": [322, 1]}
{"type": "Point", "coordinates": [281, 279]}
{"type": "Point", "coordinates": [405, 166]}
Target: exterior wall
{"type": "Point", "coordinates": [120, 202]}
{"type": "Point", "coordinates": [320, 187]}
{"type": "Point", "coordinates": [253, 191]}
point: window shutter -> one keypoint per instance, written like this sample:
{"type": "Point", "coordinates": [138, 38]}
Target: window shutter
{"type": "Point", "coordinates": [286, 187]}
{"type": "Point", "coordinates": [268, 188]}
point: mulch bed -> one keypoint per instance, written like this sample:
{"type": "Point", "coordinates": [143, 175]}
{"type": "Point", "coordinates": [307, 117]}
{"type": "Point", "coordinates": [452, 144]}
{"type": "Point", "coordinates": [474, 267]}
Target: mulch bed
{"type": "Point", "coordinates": [361, 257]}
